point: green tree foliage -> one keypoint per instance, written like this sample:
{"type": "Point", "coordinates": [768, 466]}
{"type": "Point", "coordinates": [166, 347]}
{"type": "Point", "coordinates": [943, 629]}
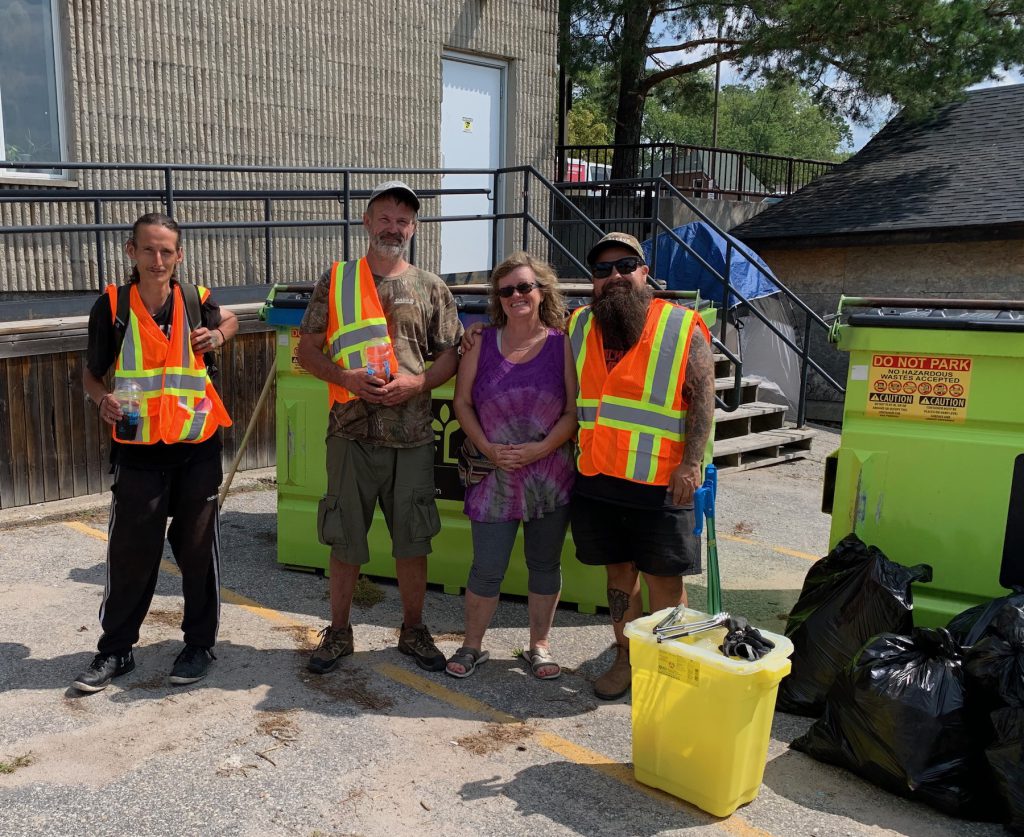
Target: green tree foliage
{"type": "Point", "coordinates": [848, 56]}
{"type": "Point", "coordinates": [769, 119]}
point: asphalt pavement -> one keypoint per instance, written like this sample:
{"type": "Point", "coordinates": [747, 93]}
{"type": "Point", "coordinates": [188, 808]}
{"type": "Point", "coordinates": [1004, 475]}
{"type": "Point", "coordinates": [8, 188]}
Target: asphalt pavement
{"type": "Point", "coordinates": [377, 747]}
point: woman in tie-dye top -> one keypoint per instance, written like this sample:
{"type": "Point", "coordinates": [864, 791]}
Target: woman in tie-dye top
{"type": "Point", "coordinates": [515, 397]}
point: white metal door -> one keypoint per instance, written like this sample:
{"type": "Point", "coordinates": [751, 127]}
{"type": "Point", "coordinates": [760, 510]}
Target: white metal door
{"type": "Point", "coordinates": [472, 122]}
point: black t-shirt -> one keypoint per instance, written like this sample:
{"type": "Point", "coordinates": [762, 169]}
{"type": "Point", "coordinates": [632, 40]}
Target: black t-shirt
{"type": "Point", "coordinates": [100, 356]}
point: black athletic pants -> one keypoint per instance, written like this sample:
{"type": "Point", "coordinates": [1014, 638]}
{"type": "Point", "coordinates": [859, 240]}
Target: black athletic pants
{"type": "Point", "coordinates": [142, 502]}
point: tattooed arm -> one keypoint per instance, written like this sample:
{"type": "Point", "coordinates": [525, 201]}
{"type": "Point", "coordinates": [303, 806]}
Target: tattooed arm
{"type": "Point", "coordinates": [699, 392]}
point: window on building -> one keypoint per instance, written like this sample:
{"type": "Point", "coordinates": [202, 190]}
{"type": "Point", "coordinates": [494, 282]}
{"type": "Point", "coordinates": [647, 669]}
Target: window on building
{"type": "Point", "coordinates": [30, 85]}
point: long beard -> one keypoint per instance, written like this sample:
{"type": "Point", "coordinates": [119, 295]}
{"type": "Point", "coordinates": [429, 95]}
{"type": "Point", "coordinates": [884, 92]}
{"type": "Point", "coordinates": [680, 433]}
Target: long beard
{"type": "Point", "coordinates": [391, 248]}
{"type": "Point", "coordinates": [621, 312]}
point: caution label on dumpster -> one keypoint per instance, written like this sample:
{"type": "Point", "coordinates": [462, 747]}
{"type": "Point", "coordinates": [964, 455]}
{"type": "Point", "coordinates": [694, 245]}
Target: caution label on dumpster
{"type": "Point", "coordinates": [293, 351]}
{"type": "Point", "coordinates": [678, 668]}
{"type": "Point", "coordinates": [921, 387]}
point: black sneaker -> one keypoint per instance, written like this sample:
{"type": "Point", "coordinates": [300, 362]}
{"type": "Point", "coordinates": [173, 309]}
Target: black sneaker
{"type": "Point", "coordinates": [335, 643]}
{"type": "Point", "coordinates": [192, 664]}
{"type": "Point", "coordinates": [417, 642]}
{"type": "Point", "coordinates": [103, 669]}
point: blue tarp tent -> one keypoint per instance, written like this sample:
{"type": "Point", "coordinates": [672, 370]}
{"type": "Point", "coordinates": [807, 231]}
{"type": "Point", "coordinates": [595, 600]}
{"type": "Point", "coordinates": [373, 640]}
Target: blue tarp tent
{"type": "Point", "coordinates": [682, 272]}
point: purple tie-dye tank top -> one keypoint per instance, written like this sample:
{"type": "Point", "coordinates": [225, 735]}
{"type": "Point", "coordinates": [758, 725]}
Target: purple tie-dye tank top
{"type": "Point", "coordinates": [516, 403]}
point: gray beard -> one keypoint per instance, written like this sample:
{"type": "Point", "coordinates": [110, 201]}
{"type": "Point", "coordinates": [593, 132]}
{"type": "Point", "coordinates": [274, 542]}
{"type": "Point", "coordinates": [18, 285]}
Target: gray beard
{"type": "Point", "coordinates": [388, 250]}
{"type": "Point", "coordinates": [621, 312]}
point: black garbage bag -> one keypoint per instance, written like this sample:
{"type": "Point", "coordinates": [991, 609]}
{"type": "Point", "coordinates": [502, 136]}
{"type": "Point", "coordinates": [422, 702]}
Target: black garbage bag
{"type": "Point", "coordinates": [896, 716]}
{"type": "Point", "coordinates": [967, 627]}
{"type": "Point", "coordinates": [994, 664]}
{"type": "Point", "coordinates": [1006, 759]}
{"type": "Point", "coordinates": [849, 596]}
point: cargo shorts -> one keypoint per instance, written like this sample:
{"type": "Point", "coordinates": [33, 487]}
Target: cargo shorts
{"type": "Point", "coordinates": [359, 477]}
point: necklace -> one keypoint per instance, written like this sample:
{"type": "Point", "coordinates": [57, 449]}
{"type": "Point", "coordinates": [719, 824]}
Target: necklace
{"type": "Point", "coordinates": [530, 343]}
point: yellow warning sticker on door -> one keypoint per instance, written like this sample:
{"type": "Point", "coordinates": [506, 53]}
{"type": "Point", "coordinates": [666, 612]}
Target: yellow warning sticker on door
{"type": "Point", "coordinates": [293, 346]}
{"type": "Point", "coordinates": [678, 668]}
{"type": "Point", "coordinates": [921, 387]}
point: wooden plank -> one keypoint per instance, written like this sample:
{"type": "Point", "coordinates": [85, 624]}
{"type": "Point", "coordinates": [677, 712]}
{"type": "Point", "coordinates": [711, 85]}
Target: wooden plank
{"type": "Point", "coordinates": [46, 424]}
{"type": "Point", "coordinates": [22, 453]}
{"type": "Point", "coordinates": [6, 449]}
{"type": "Point", "coordinates": [268, 434]}
{"type": "Point", "coordinates": [766, 439]}
{"type": "Point", "coordinates": [77, 405]}
{"type": "Point", "coordinates": [63, 443]}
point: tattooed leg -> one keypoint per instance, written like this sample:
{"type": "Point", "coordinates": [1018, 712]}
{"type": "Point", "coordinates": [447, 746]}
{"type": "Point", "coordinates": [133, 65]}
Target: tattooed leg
{"type": "Point", "coordinates": [624, 600]}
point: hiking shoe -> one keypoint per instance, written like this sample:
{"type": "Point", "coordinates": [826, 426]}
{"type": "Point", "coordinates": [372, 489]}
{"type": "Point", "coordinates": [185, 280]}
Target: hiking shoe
{"type": "Point", "coordinates": [192, 664]}
{"type": "Point", "coordinates": [103, 669]}
{"type": "Point", "coordinates": [335, 643]}
{"type": "Point", "coordinates": [615, 682]}
{"type": "Point", "coordinates": [417, 642]}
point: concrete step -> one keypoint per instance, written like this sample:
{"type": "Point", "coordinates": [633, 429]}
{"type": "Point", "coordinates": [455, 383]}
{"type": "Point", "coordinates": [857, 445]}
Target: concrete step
{"type": "Point", "coordinates": [766, 447]}
{"type": "Point", "coordinates": [754, 417]}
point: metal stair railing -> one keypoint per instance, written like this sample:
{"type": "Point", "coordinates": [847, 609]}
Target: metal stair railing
{"type": "Point", "coordinates": [531, 222]}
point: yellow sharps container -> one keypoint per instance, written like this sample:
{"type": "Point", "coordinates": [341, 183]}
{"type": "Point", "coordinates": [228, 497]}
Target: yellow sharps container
{"type": "Point", "coordinates": [701, 720]}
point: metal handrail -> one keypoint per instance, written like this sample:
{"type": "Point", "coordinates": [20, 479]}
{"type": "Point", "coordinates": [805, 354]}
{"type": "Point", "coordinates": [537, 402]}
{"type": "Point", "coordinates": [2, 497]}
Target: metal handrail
{"type": "Point", "coordinates": [528, 179]}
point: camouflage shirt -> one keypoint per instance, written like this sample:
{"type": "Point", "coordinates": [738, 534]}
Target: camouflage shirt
{"type": "Point", "coordinates": [422, 322]}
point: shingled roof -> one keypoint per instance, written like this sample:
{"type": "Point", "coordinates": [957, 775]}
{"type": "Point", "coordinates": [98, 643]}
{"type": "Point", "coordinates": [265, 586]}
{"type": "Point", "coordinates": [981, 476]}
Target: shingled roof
{"type": "Point", "coordinates": [958, 175]}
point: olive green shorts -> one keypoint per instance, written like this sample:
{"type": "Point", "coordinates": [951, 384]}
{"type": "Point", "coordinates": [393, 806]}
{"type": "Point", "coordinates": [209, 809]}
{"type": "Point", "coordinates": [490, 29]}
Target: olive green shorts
{"type": "Point", "coordinates": [359, 476]}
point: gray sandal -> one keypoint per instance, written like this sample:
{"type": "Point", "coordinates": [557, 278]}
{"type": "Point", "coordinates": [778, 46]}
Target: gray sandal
{"type": "Point", "coordinates": [469, 659]}
{"type": "Point", "coordinates": [539, 658]}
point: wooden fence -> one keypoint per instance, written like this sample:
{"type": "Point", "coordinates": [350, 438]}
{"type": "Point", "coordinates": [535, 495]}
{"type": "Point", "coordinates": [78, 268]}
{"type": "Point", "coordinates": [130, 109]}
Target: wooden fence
{"type": "Point", "coordinates": [52, 443]}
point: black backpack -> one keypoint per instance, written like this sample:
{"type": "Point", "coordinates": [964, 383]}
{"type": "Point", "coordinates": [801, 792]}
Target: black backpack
{"type": "Point", "coordinates": [193, 307]}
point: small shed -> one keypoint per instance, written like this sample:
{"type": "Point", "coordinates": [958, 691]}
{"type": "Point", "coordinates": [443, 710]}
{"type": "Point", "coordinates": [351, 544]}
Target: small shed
{"type": "Point", "coordinates": [931, 208]}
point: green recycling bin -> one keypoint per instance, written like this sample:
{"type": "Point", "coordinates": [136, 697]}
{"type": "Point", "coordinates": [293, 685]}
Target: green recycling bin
{"type": "Point", "coordinates": [301, 412]}
{"type": "Point", "coordinates": [930, 467]}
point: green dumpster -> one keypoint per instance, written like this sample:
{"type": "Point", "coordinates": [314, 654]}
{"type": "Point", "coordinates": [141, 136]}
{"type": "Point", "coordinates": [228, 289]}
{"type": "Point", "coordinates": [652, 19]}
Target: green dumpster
{"type": "Point", "coordinates": [930, 466]}
{"type": "Point", "coordinates": [301, 413]}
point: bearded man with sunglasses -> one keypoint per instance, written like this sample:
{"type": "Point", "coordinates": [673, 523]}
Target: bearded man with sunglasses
{"type": "Point", "coordinates": [645, 405]}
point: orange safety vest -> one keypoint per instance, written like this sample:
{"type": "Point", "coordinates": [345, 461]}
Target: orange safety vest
{"type": "Point", "coordinates": [633, 419]}
{"type": "Point", "coordinates": [179, 402]}
{"type": "Point", "coordinates": [355, 320]}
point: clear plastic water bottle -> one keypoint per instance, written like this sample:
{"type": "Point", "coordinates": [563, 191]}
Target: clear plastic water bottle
{"type": "Point", "coordinates": [129, 396]}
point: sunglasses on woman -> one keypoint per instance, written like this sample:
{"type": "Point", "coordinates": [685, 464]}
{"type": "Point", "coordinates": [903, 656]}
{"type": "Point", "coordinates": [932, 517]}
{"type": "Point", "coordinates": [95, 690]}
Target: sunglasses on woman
{"type": "Point", "coordinates": [602, 270]}
{"type": "Point", "coordinates": [523, 288]}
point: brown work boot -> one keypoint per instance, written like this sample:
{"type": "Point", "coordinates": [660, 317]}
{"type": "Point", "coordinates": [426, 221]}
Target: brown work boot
{"type": "Point", "coordinates": [615, 682]}
{"type": "Point", "coordinates": [335, 643]}
{"type": "Point", "coordinates": [416, 641]}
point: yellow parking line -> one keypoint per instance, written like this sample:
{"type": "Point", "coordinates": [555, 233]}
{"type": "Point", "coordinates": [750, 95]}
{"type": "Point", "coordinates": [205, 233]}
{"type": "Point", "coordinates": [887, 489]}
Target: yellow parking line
{"type": "Point", "coordinates": [560, 746]}
{"type": "Point", "coordinates": [575, 753]}
{"type": "Point", "coordinates": [226, 595]}
{"type": "Point", "coordinates": [795, 553]}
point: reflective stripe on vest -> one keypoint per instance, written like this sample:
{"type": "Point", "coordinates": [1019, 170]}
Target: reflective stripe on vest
{"type": "Point", "coordinates": [633, 419]}
{"type": "Point", "coordinates": [355, 321]}
{"type": "Point", "coordinates": [179, 402]}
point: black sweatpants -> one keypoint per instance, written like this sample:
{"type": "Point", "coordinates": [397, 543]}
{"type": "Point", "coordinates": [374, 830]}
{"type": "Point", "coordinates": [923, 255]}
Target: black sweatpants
{"type": "Point", "coordinates": [142, 502]}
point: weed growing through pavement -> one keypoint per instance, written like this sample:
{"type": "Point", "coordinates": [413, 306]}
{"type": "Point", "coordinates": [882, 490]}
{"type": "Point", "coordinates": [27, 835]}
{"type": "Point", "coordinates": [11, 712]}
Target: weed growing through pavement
{"type": "Point", "coordinates": [16, 762]}
{"type": "Point", "coordinates": [367, 594]}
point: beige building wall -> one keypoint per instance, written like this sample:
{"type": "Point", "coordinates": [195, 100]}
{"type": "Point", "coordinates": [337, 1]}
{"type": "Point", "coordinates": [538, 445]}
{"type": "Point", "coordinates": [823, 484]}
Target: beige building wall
{"type": "Point", "coordinates": [957, 270]}
{"type": "Point", "coordinates": [323, 83]}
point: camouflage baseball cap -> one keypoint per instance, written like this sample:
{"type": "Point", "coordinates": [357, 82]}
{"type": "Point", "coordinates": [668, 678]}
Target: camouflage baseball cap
{"type": "Point", "coordinates": [616, 239]}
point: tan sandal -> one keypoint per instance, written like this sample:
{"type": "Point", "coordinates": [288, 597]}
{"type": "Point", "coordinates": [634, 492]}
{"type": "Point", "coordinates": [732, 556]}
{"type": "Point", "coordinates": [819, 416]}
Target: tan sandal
{"type": "Point", "coordinates": [539, 658]}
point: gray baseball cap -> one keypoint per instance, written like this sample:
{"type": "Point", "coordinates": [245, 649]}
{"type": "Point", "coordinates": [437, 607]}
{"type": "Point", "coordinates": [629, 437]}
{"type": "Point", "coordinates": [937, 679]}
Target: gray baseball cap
{"type": "Point", "coordinates": [396, 187]}
{"type": "Point", "coordinates": [616, 239]}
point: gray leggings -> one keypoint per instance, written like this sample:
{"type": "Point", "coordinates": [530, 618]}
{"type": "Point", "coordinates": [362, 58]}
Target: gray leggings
{"type": "Point", "coordinates": [542, 544]}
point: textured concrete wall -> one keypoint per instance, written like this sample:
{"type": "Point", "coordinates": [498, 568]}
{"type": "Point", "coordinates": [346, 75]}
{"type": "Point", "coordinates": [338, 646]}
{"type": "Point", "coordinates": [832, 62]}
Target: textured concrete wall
{"type": "Point", "coordinates": [968, 270]}
{"type": "Point", "coordinates": [340, 83]}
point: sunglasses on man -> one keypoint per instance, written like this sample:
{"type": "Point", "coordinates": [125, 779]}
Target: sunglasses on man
{"type": "Point", "coordinates": [602, 270]}
{"type": "Point", "coordinates": [523, 288]}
